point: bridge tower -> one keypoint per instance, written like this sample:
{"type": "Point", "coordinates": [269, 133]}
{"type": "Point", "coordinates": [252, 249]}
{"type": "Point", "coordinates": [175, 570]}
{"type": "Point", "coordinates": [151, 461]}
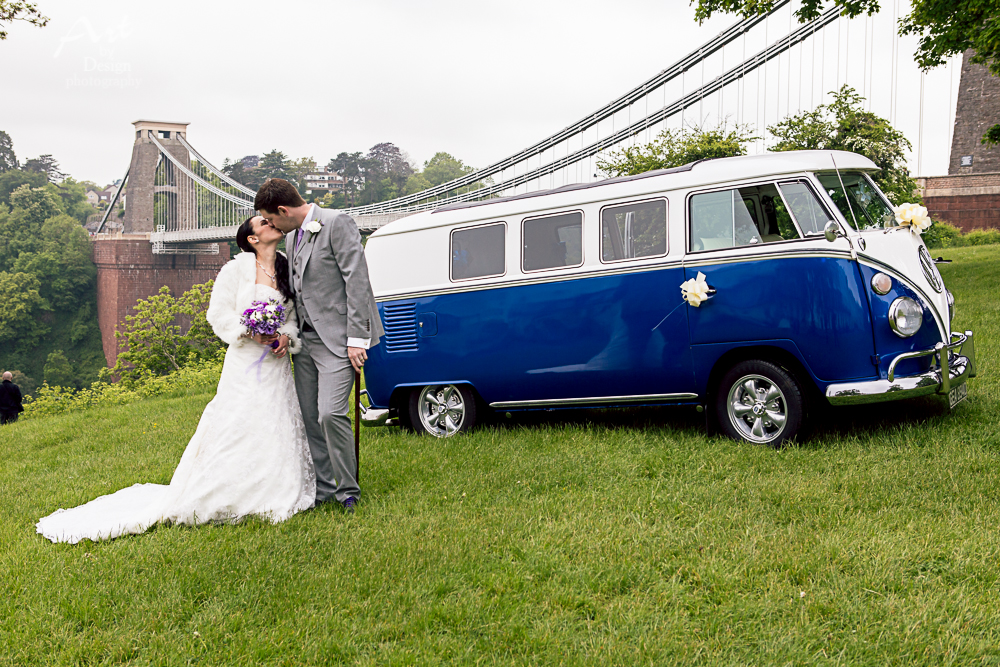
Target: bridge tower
{"type": "Point", "coordinates": [127, 267]}
{"type": "Point", "coordinates": [142, 170]}
{"type": "Point", "coordinates": [969, 196]}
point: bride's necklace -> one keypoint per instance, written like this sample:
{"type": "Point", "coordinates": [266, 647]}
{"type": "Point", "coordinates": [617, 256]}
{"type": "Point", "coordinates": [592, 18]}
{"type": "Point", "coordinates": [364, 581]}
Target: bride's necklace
{"type": "Point", "coordinates": [273, 278]}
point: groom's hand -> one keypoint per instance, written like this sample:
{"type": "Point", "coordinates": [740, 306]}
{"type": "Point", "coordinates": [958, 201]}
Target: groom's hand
{"type": "Point", "coordinates": [357, 355]}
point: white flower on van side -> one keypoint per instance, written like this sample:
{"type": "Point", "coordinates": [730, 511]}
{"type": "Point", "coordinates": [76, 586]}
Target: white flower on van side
{"type": "Point", "coordinates": [913, 216]}
{"type": "Point", "coordinates": [313, 227]}
{"type": "Point", "coordinates": [695, 290]}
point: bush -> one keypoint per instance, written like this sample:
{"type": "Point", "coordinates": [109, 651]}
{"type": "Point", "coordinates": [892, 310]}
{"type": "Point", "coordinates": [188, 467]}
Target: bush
{"type": "Point", "coordinates": [152, 342]}
{"type": "Point", "coordinates": [198, 376]}
{"type": "Point", "coordinates": [982, 237]}
{"type": "Point", "coordinates": [943, 235]}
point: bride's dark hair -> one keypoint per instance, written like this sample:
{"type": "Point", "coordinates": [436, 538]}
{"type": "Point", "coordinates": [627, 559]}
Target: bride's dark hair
{"type": "Point", "coordinates": [280, 261]}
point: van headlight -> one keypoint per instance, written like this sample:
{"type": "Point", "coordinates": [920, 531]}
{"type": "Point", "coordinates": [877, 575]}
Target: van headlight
{"type": "Point", "coordinates": [951, 306]}
{"type": "Point", "coordinates": [905, 317]}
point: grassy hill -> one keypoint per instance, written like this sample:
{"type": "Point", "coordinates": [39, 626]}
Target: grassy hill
{"type": "Point", "coordinates": [603, 538]}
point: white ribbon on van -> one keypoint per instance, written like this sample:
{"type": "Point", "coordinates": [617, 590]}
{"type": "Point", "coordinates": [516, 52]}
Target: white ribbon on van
{"type": "Point", "coordinates": [695, 290]}
{"type": "Point", "coordinates": [913, 216]}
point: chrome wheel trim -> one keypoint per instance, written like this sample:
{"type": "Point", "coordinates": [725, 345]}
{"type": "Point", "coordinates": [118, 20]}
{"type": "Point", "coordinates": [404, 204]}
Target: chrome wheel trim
{"type": "Point", "coordinates": [442, 410]}
{"type": "Point", "coordinates": [757, 409]}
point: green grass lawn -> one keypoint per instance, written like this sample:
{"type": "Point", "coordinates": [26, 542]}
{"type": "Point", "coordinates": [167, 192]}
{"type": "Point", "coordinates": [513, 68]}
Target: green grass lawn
{"type": "Point", "coordinates": [600, 538]}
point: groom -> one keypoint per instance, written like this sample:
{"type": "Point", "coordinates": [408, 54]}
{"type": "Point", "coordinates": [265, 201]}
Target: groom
{"type": "Point", "coordinates": [338, 321]}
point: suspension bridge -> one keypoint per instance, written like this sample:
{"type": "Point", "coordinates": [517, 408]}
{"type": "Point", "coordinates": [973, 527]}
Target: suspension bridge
{"type": "Point", "coordinates": [754, 73]}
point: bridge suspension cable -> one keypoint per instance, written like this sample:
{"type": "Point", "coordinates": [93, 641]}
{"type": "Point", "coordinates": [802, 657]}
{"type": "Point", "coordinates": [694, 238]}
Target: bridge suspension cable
{"type": "Point", "coordinates": [607, 111]}
{"type": "Point", "coordinates": [188, 208]}
{"type": "Point", "coordinates": [734, 74]}
{"type": "Point", "coordinates": [208, 165]}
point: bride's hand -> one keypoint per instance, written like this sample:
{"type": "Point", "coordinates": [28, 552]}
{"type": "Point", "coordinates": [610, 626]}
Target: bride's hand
{"type": "Point", "coordinates": [282, 346]}
{"type": "Point", "coordinates": [263, 339]}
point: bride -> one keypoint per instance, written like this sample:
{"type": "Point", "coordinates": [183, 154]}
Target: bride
{"type": "Point", "coordinates": [249, 454]}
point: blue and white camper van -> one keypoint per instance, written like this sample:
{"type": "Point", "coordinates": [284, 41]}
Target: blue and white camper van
{"type": "Point", "coordinates": [571, 297]}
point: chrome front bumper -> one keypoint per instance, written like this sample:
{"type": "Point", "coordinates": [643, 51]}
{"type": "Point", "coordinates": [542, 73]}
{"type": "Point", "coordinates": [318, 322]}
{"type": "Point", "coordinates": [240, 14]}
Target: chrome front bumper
{"type": "Point", "coordinates": [956, 363]}
{"type": "Point", "coordinates": [371, 417]}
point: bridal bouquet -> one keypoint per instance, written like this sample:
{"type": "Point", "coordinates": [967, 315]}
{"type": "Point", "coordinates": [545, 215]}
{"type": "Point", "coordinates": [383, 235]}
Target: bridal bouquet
{"type": "Point", "coordinates": [264, 317]}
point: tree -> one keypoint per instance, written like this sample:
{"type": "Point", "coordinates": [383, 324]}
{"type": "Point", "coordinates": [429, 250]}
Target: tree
{"type": "Point", "coordinates": [946, 27]}
{"type": "Point", "coordinates": [62, 263]}
{"type": "Point", "coordinates": [249, 177]}
{"type": "Point", "coordinates": [45, 164]}
{"type": "Point", "coordinates": [275, 165]}
{"type": "Point", "coordinates": [387, 172]}
{"type": "Point", "coordinates": [47, 286]}
{"type": "Point", "coordinates": [21, 302]}
{"type": "Point", "coordinates": [845, 125]}
{"type": "Point", "coordinates": [58, 371]}
{"type": "Point", "coordinates": [352, 167]}
{"type": "Point", "coordinates": [73, 196]}
{"type": "Point", "coordinates": [152, 340]}
{"type": "Point", "coordinates": [15, 10]}
{"type": "Point", "coordinates": [673, 148]}
{"type": "Point", "coordinates": [417, 183]}
{"type": "Point", "coordinates": [8, 160]}
{"type": "Point", "coordinates": [992, 135]}
{"type": "Point", "coordinates": [297, 170]}
{"type": "Point", "coordinates": [443, 168]}
{"type": "Point", "coordinates": [15, 178]}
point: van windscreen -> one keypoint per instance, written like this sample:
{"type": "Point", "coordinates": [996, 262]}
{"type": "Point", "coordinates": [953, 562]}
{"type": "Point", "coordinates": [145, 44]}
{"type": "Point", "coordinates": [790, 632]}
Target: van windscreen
{"type": "Point", "coordinates": [863, 202]}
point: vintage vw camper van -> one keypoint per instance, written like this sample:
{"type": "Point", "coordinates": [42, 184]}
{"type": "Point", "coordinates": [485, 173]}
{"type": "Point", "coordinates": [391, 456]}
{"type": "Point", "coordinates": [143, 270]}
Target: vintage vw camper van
{"type": "Point", "coordinates": [572, 297]}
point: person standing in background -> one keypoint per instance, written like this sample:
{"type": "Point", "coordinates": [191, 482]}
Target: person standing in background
{"type": "Point", "coordinates": [10, 400]}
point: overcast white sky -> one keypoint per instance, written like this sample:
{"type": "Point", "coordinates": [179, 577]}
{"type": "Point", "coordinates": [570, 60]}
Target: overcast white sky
{"type": "Point", "coordinates": [479, 80]}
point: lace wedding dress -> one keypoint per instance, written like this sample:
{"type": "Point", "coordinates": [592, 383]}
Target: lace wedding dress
{"type": "Point", "coordinates": [249, 456]}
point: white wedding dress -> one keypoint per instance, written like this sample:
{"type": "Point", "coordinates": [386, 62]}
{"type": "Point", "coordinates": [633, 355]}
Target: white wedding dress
{"type": "Point", "coordinates": [248, 456]}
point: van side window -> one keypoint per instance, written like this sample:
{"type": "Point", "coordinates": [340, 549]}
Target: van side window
{"type": "Point", "coordinates": [552, 242]}
{"type": "Point", "coordinates": [805, 208]}
{"type": "Point", "coordinates": [634, 230]}
{"type": "Point", "coordinates": [478, 252]}
{"type": "Point", "coordinates": [739, 217]}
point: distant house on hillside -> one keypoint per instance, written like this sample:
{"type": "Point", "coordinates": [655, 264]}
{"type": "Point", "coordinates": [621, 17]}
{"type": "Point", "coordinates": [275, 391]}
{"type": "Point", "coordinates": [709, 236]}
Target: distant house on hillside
{"type": "Point", "coordinates": [250, 161]}
{"type": "Point", "coordinates": [107, 194]}
{"type": "Point", "coordinates": [324, 180]}
{"type": "Point", "coordinates": [93, 198]}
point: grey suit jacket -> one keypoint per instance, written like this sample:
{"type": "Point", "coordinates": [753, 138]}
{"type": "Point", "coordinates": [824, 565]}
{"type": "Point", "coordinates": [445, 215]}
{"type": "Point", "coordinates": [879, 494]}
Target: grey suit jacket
{"type": "Point", "coordinates": [330, 273]}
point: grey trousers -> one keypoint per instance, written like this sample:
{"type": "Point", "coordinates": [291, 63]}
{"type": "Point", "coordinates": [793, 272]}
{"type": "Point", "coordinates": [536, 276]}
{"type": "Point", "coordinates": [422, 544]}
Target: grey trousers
{"type": "Point", "coordinates": [324, 382]}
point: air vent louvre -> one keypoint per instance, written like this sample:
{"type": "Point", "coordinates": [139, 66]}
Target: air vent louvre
{"type": "Point", "coordinates": [400, 323]}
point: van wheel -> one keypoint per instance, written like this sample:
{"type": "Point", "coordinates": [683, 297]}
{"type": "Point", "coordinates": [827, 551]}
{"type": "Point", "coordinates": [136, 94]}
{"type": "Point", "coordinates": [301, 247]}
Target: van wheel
{"type": "Point", "coordinates": [760, 403]}
{"type": "Point", "coordinates": [442, 410]}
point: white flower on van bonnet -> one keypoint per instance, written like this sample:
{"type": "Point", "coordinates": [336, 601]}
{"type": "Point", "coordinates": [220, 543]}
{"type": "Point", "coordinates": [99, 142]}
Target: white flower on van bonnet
{"type": "Point", "coordinates": [695, 290]}
{"type": "Point", "coordinates": [913, 216]}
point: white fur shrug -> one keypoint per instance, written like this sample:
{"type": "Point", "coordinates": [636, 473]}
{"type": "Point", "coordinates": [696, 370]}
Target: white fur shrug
{"type": "Point", "coordinates": [233, 292]}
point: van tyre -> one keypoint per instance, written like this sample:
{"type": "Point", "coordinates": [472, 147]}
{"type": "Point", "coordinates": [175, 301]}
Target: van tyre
{"type": "Point", "coordinates": [759, 402]}
{"type": "Point", "coordinates": [442, 410]}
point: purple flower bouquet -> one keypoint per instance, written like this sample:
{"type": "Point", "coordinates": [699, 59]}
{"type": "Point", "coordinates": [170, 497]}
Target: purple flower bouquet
{"type": "Point", "coordinates": [264, 317]}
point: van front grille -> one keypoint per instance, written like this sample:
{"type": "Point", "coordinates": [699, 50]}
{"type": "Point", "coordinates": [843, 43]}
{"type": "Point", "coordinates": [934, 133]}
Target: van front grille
{"type": "Point", "coordinates": [400, 323]}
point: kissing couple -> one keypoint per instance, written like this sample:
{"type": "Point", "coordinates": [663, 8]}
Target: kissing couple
{"type": "Point", "coordinates": [268, 444]}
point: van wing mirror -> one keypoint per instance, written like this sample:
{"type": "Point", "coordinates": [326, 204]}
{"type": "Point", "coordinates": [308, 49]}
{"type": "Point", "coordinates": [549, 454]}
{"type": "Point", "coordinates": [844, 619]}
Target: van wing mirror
{"type": "Point", "coordinates": [832, 231]}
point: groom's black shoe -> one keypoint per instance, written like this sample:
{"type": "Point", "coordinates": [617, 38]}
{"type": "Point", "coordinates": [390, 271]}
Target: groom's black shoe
{"type": "Point", "coordinates": [349, 504]}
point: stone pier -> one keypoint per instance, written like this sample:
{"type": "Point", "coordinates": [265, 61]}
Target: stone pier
{"type": "Point", "coordinates": [127, 270]}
